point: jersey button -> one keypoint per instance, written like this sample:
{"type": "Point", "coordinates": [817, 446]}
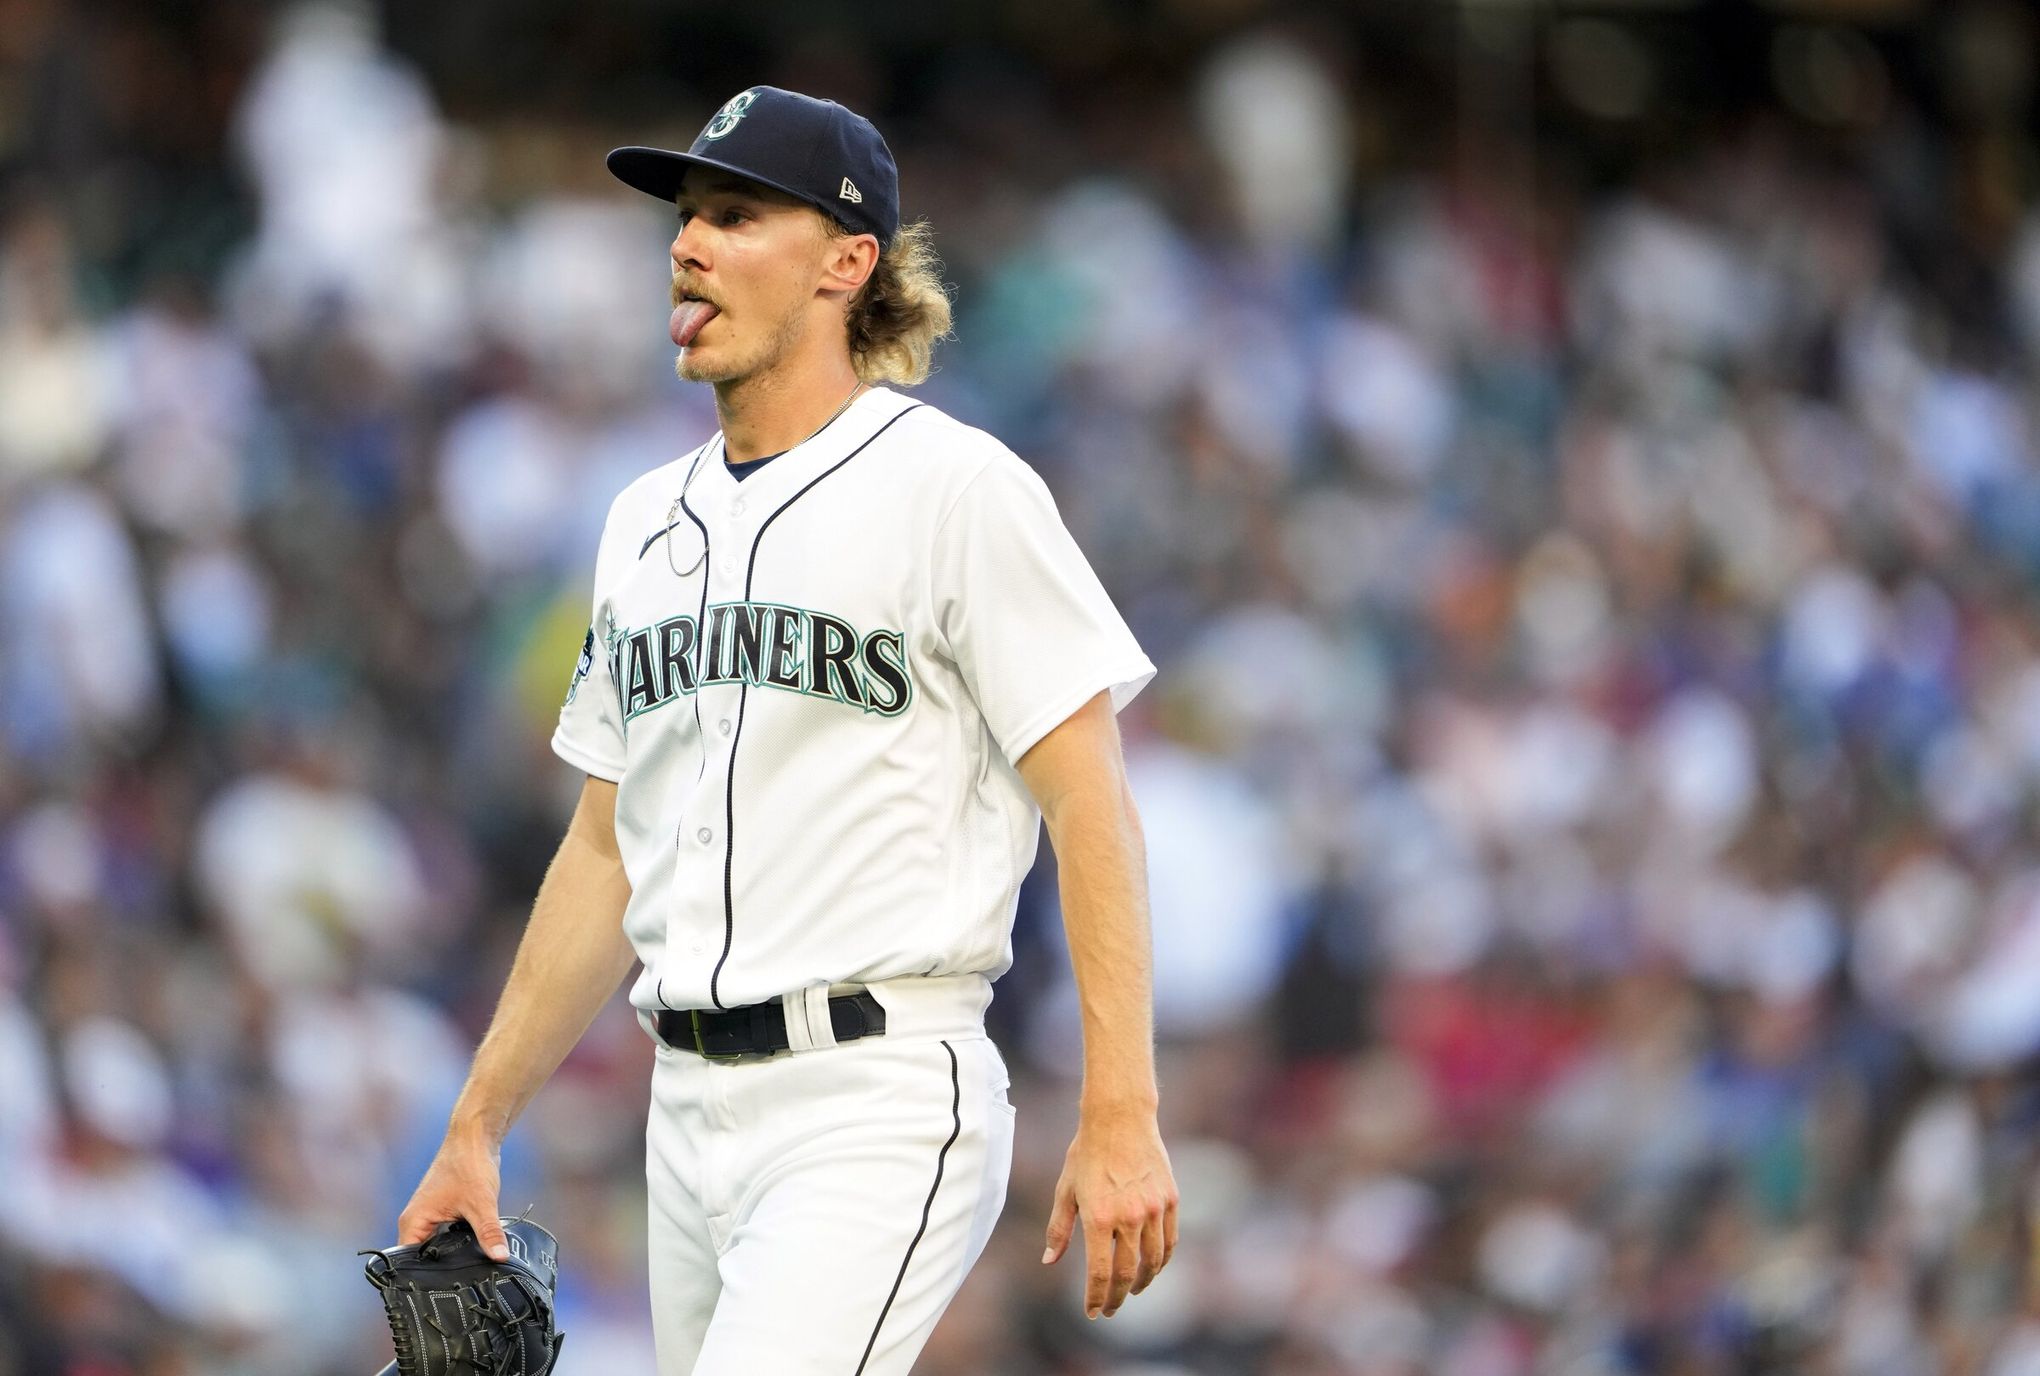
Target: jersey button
{"type": "Point", "coordinates": [704, 836]}
{"type": "Point", "coordinates": [728, 566]}
{"type": "Point", "coordinates": [737, 507]}
{"type": "Point", "coordinates": [723, 726]}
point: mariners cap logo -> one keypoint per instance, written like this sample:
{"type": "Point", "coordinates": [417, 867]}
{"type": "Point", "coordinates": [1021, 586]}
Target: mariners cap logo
{"type": "Point", "coordinates": [727, 117]}
{"type": "Point", "coordinates": [850, 192]}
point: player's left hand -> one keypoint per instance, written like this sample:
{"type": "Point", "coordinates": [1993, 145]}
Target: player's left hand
{"type": "Point", "coordinates": [1115, 1180]}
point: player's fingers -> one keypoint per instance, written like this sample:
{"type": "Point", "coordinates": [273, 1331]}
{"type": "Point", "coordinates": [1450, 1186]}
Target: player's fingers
{"type": "Point", "coordinates": [1098, 1272]}
{"type": "Point", "coordinates": [1125, 1265]}
{"type": "Point", "coordinates": [489, 1231]}
{"type": "Point", "coordinates": [413, 1226]}
{"type": "Point", "coordinates": [1169, 1231]}
{"type": "Point", "coordinates": [422, 1216]}
{"type": "Point", "coordinates": [1062, 1219]}
{"type": "Point", "coordinates": [1152, 1253]}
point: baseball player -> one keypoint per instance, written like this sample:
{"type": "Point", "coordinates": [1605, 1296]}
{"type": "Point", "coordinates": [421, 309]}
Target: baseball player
{"type": "Point", "coordinates": [844, 659]}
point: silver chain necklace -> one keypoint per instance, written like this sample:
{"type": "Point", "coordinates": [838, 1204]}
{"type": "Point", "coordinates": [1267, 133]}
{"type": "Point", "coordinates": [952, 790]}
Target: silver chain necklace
{"type": "Point", "coordinates": [829, 422]}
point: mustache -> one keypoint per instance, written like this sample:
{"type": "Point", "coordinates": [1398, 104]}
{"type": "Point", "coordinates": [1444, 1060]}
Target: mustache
{"type": "Point", "coordinates": [682, 289]}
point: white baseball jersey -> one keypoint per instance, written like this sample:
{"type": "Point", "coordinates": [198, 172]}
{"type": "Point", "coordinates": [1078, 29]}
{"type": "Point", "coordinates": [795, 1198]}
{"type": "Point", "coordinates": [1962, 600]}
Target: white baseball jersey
{"type": "Point", "coordinates": [814, 722]}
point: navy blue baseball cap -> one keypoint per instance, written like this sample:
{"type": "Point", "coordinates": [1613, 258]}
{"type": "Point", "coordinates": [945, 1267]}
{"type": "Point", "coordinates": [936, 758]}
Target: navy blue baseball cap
{"type": "Point", "coordinates": [815, 150]}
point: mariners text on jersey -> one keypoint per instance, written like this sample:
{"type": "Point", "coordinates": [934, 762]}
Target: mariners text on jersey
{"type": "Point", "coordinates": [763, 645]}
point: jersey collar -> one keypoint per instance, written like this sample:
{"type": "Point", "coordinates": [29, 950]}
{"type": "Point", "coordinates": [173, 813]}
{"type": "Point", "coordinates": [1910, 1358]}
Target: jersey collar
{"type": "Point", "coordinates": [806, 461]}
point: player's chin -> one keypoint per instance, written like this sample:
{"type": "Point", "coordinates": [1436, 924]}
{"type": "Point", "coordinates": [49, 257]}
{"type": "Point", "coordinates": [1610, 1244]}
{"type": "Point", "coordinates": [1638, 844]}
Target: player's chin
{"type": "Point", "coordinates": [698, 365]}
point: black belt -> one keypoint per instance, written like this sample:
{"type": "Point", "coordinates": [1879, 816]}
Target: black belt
{"type": "Point", "coordinates": [759, 1029]}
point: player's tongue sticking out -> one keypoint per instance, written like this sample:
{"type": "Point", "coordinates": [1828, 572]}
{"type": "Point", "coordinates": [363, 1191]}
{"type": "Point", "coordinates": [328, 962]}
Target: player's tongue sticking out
{"type": "Point", "coordinates": [688, 318]}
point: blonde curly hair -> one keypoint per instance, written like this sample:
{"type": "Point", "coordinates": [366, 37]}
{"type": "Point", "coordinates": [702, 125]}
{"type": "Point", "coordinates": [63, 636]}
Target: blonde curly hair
{"type": "Point", "coordinates": [901, 311]}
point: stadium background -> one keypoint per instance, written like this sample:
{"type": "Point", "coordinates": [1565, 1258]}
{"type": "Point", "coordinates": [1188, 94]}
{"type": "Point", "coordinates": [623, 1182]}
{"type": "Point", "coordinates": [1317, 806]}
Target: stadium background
{"type": "Point", "coordinates": [1574, 464]}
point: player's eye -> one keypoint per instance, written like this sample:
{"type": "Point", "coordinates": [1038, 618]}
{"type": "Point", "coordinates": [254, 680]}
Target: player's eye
{"type": "Point", "coordinates": [734, 216]}
{"type": "Point", "coordinates": [685, 216]}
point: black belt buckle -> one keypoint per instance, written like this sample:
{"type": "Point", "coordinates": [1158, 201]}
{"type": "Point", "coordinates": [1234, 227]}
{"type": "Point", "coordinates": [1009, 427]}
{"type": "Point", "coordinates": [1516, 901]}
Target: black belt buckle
{"type": "Point", "coordinates": [701, 1040]}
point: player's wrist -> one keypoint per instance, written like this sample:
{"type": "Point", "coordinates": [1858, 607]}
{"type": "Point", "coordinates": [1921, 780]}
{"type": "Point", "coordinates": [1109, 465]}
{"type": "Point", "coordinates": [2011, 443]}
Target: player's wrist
{"type": "Point", "coordinates": [1118, 1102]}
{"type": "Point", "coordinates": [476, 1130]}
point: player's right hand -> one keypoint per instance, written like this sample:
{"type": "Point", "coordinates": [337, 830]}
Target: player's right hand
{"type": "Point", "coordinates": [1118, 1187]}
{"type": "Point", "coordinates": [463, 1181]}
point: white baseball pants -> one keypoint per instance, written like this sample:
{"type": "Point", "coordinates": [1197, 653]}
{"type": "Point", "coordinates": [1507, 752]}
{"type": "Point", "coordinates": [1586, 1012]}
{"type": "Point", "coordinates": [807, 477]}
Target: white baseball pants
{"type": "Point", "coordinates": [816, 1212]}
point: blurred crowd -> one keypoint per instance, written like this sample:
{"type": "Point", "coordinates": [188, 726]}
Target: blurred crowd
{"type": "Point", "coordinates": [1589, 788]}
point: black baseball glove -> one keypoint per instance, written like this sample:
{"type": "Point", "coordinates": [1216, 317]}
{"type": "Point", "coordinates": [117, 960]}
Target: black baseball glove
{"type": "Point", "coordinates": [453, 1310]}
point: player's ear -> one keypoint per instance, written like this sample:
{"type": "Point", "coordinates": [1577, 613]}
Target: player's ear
{"type": "Point", "coordinates": [848, 260]}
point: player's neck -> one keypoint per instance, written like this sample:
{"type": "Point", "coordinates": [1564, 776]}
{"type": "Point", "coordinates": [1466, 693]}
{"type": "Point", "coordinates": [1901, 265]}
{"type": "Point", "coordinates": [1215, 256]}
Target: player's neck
{"type": "Point", "coordinates": [771, 412]}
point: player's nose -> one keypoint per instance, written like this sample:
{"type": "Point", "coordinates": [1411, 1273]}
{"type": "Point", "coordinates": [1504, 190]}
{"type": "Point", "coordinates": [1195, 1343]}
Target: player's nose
{"type": "Point", "coordinates": [690, 245]}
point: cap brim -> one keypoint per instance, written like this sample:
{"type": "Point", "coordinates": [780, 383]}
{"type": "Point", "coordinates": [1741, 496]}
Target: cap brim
{"type": "Point", "coordinates": [658, 172]}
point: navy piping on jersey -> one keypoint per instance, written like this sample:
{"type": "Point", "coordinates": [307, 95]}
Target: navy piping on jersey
{"type": "Point", "coordinates": [927, 1205]}
{"type": "Point", "coordinates": [739, 471]}
{"type": "Point", "coordinates": [743, 695]}
{"type": "Point", "coordinates": [700, 617]}
{"type": "Point", "coordinates": [700, 623]}
{"type": "Point", "coordinates": [653, 538]}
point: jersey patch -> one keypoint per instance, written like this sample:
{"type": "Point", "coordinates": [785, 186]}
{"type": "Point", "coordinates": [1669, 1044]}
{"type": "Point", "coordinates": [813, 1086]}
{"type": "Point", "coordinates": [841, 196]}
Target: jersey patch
{"type": "Point", "coordinates": [583, 664]}
{"type": "Point", "coordinates": [764, 645]}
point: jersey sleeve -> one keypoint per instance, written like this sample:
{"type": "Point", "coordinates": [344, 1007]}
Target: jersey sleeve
{"type": "Point", "coordinates": [590, 731]}
{"type": "Point", "coordinates": [1027, 622]}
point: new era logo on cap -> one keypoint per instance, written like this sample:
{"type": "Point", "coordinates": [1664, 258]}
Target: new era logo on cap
{"type": "Point", "coordinates": [789, 142]}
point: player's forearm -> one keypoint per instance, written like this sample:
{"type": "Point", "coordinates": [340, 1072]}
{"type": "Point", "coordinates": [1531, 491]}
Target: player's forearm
{"type": "Point", "coordinates": [1102, 864]}
{"type": "Point", "coordinates": [572, 957]}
